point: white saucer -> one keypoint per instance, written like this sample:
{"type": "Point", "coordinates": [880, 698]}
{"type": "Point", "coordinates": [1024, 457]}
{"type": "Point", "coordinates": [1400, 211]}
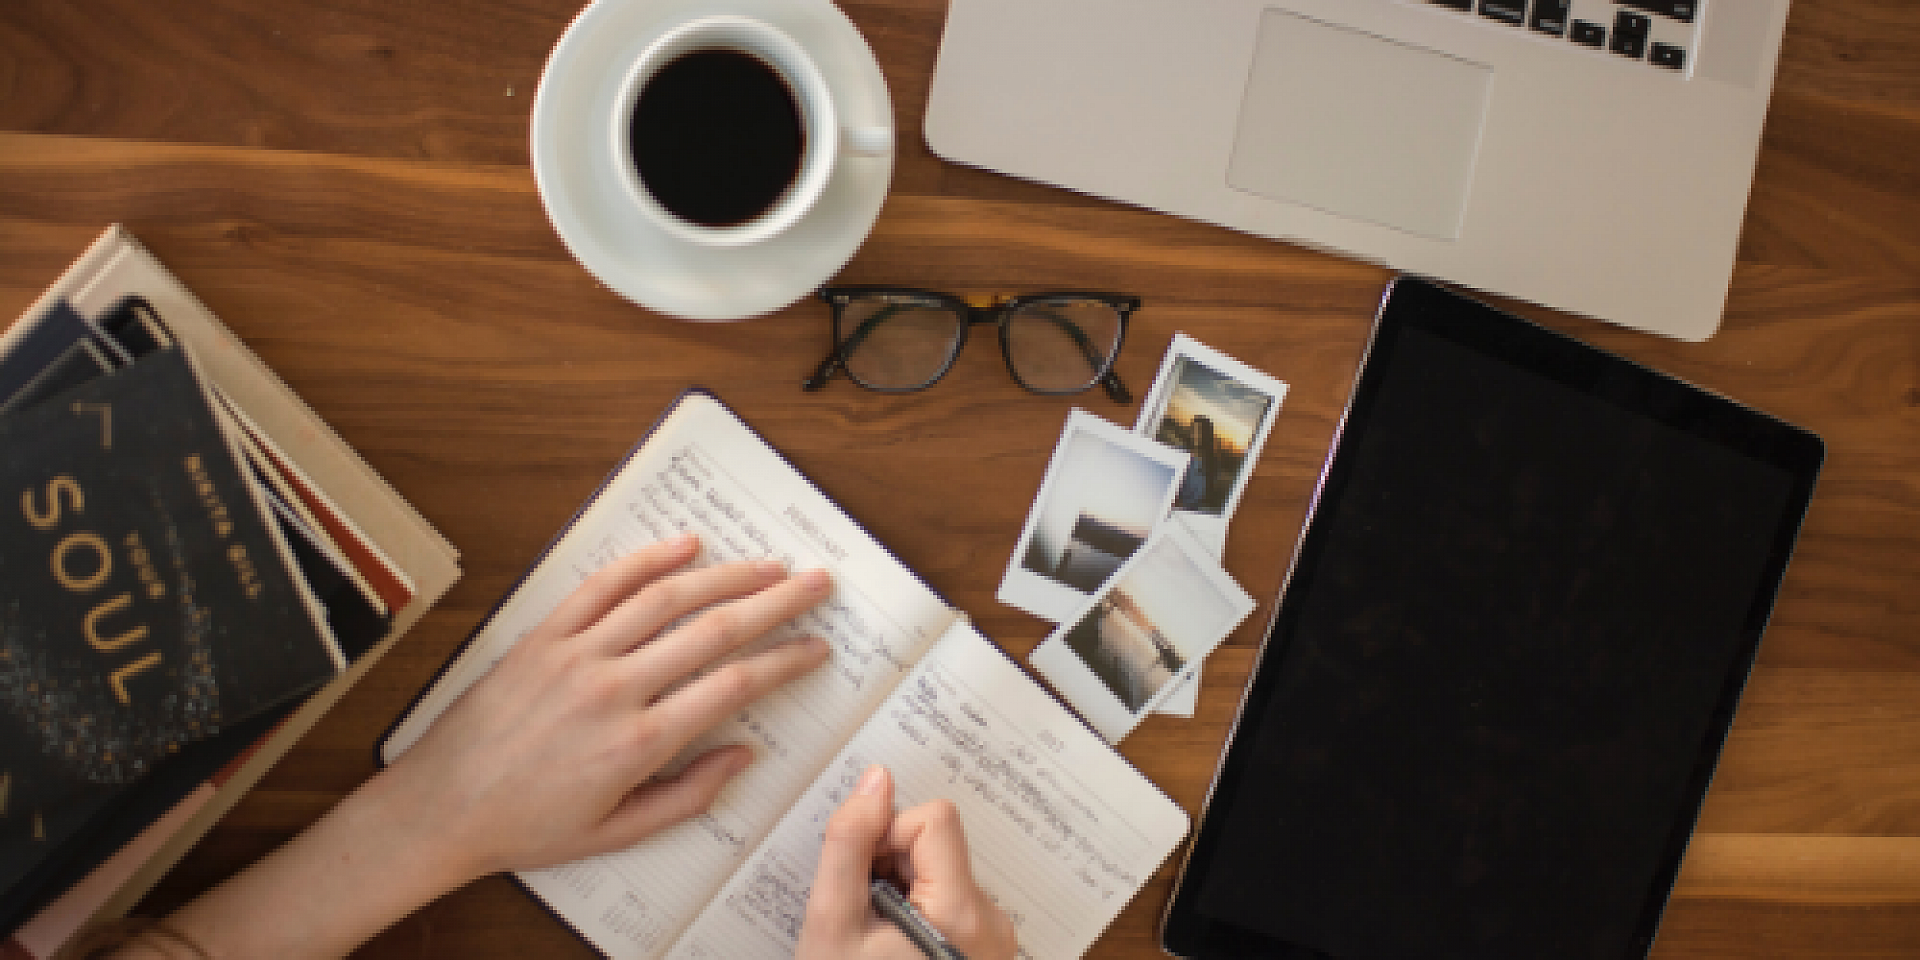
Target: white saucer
{"type": "Point", "coordinates": [581, 187]}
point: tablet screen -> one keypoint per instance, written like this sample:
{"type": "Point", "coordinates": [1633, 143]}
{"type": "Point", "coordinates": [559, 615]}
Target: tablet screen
{"type": "Point", "coordinates": [1508, 652]}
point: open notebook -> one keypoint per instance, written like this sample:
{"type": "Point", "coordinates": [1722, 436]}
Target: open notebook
{"type": "Point", "coordinates": [1063, 830]}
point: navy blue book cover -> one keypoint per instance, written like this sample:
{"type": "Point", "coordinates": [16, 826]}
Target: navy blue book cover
{"type": "Point", "coordinates": [144, 602]}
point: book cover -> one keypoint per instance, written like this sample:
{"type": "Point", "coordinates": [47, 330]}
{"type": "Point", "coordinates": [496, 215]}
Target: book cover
{"type": "Point", "coordinates": [393, 548]}
{"type": "Point", "coordinates": [38, 872]}
{"type": "Point", "coordinates": [357, 615]}
{"type": "Point", "coordinates": [144, 601]}
{"type": "Point", "coordinates": [62, 350]}
{"type": "Point", "coordinates": [131, 330]}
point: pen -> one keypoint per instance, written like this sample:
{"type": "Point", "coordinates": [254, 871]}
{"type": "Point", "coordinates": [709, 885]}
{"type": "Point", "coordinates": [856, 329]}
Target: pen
{"type": "Point", "coordinates": [898, 910]}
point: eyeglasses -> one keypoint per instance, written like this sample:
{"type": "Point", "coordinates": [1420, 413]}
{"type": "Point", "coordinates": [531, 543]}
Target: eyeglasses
{"type": "Point", "coordinates": [900, 339]}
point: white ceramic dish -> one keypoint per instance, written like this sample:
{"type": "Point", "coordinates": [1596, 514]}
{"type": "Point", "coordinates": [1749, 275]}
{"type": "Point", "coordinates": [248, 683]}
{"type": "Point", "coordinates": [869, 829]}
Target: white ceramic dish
{"type": "Point", "coordinates": [583, 191]}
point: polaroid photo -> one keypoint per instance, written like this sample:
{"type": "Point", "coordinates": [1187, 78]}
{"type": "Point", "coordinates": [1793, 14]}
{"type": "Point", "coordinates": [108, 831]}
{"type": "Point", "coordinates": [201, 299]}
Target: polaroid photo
{"type": "Point", "coordinates": [1105, 493]}
{"type": "Point", "coordinates": [1134, 642]}
{"type": "Point", "coordinates": [1219, 410]}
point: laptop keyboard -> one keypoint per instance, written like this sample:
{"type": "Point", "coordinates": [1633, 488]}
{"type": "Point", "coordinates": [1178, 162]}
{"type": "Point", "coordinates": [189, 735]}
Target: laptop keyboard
{"type": "Point", "coordinates": [1655, 32]}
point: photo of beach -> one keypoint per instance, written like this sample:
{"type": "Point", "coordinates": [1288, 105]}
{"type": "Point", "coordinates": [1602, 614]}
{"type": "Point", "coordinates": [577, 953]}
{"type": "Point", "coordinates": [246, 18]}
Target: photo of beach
{"type": "Point", "coordinates": [1100, 505]}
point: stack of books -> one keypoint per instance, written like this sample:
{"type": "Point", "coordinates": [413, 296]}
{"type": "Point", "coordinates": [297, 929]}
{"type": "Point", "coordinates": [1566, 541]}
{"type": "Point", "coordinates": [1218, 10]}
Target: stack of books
{"type": "Point", "coordinates": [193, 568]}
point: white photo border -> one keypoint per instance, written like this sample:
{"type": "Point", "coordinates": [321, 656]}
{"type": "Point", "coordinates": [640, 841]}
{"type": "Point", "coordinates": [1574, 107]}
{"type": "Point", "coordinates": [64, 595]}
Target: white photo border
{"type": "Point", "coordinates": [1091, 696]}
{"type": "Point", "coordinates": [1211, 530]}
{"type": "Point", "coordinates": [1044, 596]}
{"type": "Point", "coordinates": [1184, 700]}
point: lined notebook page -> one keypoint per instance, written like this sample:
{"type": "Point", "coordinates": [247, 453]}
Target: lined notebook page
{"type": "Point", "coordinates": [703, 471]}
{"type": "Point", "coordinates": [1062, 831]}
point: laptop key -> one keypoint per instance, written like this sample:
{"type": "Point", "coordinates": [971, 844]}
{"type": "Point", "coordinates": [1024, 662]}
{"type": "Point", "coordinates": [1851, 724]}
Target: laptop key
{"type": "Point", "coordinates": [1669, 56]}
{"type": "Point", "coordinates": [1681, 10]}
{"type": "Point", "coordinates": [1630, 31]}
{"type": "Point", "coordinates": [1550, 16]}
{"type": "Point", "coordinates": [1456, 4]}
{"type": "Point", "coordinates": [1506, 11]}
{"type": "Point", "coordinates": [1589, 34]}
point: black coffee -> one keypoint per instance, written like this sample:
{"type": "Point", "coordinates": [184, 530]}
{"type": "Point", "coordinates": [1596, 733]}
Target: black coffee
{"type": "Point", "coordinates": [716, 137]}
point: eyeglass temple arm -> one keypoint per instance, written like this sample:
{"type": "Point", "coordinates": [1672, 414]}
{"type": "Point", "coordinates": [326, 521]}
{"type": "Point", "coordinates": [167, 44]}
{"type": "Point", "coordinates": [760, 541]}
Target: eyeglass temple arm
{"type": "Point", "coordinates": [1110, 380]}
{"type": "Point", "coordinates": [836, 357]}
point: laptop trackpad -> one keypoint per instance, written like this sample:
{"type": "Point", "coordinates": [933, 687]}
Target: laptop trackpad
{"type": "Point", "coordinates": [1361, 126]}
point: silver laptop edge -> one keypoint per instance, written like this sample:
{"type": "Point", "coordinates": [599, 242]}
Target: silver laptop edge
{"type": "Point", "coordinates": [1435, 141]}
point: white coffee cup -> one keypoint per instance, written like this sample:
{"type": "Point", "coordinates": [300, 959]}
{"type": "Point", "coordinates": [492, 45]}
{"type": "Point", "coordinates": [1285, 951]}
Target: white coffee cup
{"type": "Point", "coordinates": [825, 141]}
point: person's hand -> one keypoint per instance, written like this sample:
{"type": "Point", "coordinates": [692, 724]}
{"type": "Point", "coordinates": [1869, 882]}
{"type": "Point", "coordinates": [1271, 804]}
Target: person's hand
{"type": "Point", "coordinates": [546, 759]}
{"type": "Point", "coordinates": [926, 849]}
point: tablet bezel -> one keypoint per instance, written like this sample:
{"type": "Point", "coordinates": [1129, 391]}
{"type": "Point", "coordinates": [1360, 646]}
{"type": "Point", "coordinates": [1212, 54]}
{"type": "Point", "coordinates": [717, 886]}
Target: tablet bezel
{"type": "Point", "coordinates": [1414, 303]}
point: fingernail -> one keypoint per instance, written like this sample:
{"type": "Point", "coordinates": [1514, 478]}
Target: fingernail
{"type": "Point", "coordinates": [816, 581]}
{"type": "Point", "coordinates": [768, 568]}
{"type": "Point", "coordinates": [682, 541]}
{"type": "Point", "coordinates": [872, 782]}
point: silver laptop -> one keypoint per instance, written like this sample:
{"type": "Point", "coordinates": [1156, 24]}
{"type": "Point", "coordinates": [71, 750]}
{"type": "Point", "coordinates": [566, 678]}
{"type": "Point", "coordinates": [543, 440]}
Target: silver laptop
{"type": "Point", "coordinates": [1589, 155]}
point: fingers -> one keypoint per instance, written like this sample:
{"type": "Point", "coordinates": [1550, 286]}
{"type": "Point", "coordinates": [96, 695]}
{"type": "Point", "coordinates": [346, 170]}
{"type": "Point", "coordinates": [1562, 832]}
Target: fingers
{"type": "Point", "coordinates": [722, 692]}
{"type": "Point", "coordinates": [838, 905]}
{"type": "Point", "coordinates": [943, 885]}
{"type": "Point", "coordinates": [643, 614]}
{"type": "Point", "coordinates": [935, 845]}
{"type": "Point", "coordinates": [661, 803]}
{"type": "Point", "coordinates": [725, 628]}
{"type": "Point", "coordinates": [615, 582]}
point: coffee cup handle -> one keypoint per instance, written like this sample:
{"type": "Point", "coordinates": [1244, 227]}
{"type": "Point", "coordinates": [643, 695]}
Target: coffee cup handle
{"type": "Point", "coordinates": [867, 141]}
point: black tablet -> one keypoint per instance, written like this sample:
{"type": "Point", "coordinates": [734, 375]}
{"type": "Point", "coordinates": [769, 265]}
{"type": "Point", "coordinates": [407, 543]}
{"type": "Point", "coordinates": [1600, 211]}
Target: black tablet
{"type": "Point", "coordinates": [1508, 651]}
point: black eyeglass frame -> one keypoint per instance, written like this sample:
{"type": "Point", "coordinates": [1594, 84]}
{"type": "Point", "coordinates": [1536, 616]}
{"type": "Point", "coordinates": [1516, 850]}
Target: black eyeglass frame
{"type": "Point", "coordinates": [1000, 313]}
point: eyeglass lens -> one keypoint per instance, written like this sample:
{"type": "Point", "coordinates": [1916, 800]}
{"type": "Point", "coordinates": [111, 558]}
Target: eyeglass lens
{"type": "Point", "coordinates": [1056, 345]}
{"type": "Point", "coordinates": [895, 343]}
{"type": "Point", "coordinates": [1061, 345]}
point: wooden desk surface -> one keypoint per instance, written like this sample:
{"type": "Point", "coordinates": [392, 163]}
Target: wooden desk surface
{"type": "Point", "coordinates": [346, 183]}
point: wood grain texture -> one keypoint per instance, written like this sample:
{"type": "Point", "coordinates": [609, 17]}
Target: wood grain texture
{"type": "Point", "coordinates": [346, 183]}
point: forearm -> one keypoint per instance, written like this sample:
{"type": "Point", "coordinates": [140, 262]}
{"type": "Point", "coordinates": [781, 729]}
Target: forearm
{"type": "Point", "coordinates": [356, 871]}
{"type": "Point", "coordinates": [551, 757]}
